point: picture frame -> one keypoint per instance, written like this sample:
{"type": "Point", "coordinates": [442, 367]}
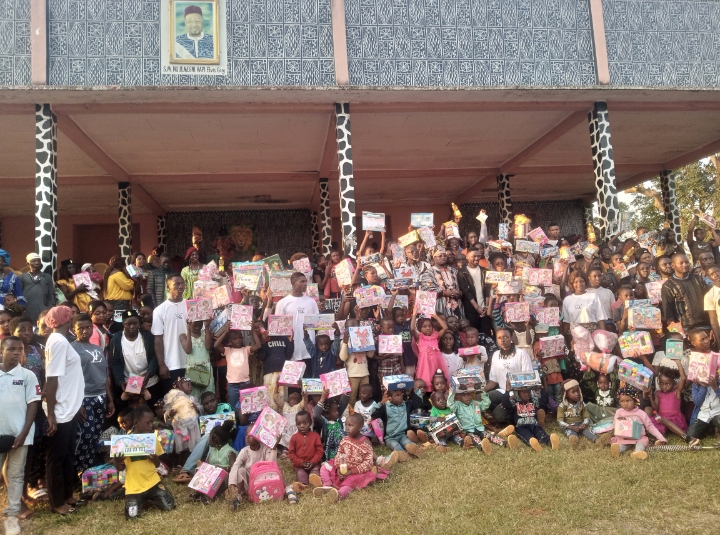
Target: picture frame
{"type": "Point", "coordinates": [184, 49]}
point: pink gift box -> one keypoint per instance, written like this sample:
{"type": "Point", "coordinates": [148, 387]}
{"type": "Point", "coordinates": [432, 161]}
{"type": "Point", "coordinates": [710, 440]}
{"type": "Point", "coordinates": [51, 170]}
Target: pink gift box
{"type": "Point", "coordinates": [208, 479]}
{"type": "Point", "coordinates": [538, 235]}
{"type": "Point", "coordinates": [208, 271]}
{"type": "Point", "coordinates": [644, 318]}
{"type": "Point", "coordinates": [241, 318]}
{"type": "Point", "coordinates": [702, 366]}
{"type": "Point", "coordinates": [336, 382]}
{"type": "Point", "coordinates": [302, 265]}
{"type": "Point", "coordinates": [552, 346]}
{"type": "Point", "coordinates": [425, 302]}
{"type": "Point", "coordinates": [654, 291]}
{"type": "Point", "coordinates": [254, 399]}
{"type": "Point", "coordinates": [199, 309]}
{"type": "Point", "coordinates": [390, 344]}
{"type": "Point", "coordinates": [344, 271]}
{"type": "Point", "coordinates": [377, 428]}
{"type": "Point", "coordinates": [550, 316]}
{"type": "Point", "coordinates": [203, 288]}
{"type": "Point", "coordinates": [82, 278]}
{"type": "Point", "coordinates": [280, 325]}
{"type": "Point", "coordinates": [540, 277]}
{"type": "Point", "coordinates": [134, 384]}
{"type": "Point", "coordinates": [291, 373]}
{"type": "Point", "coordinates": [492, 277]}
{"type": "Point", "coordinates": [468, 351]}
{"type": "Point", "coordinates": [628, 428]}
{"type": "Point", "coordinates": [268, 427]}
{"type": "Point", "coordinates": [517, 312]}
{"type": "Point", "coordinates": [221, 296]}
{"type": "Point", "coordinates": [369, 297]}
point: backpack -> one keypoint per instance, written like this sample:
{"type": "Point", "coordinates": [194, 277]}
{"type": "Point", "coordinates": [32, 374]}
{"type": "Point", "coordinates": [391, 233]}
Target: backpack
{"type": "Point", "coordinates": [265, 482]}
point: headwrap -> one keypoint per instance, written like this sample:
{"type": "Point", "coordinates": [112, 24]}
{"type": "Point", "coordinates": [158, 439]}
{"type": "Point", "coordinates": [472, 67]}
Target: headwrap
{"type": "Point", "coordinates": [57, 316]}
{"type": "Point", "coordinates": [193, 9]}
{"type": "Point", "coordinates": [130, 313]}
{"type": "Point", "coordinates": [5, 256]}
{"type": "Point", "coordinates": [190, 251]}
{"type": "Point", "coordinates": [630, 391]}
{"type": "Point", "coordinates": [32, 256]}
{"type": "Point", "coordinates": [85, 267]}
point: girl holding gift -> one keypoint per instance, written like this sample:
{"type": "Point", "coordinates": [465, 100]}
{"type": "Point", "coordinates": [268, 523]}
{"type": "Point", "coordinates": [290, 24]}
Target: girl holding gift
{"type": "Point", "coordinates": [430, 358]}
{"type": "Point", "coordinates": [666, 402]}
{"type": "Point", "coordinates": [629, 399]}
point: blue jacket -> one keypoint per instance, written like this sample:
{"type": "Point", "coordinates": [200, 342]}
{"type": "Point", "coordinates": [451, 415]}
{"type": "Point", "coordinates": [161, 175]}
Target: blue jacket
{"type": "Point", "coordinates": [322, 362]}
{"type": "Point", "coordinates": [699, 392]}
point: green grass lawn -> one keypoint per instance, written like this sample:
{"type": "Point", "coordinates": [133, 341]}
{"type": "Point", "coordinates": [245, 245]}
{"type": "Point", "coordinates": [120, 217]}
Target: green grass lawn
{"type": "Point", "coordinates": [463, 491]}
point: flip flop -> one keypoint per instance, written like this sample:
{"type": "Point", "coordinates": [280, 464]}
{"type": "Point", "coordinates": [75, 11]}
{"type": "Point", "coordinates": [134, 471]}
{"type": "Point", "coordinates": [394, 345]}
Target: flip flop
{"type": "Point", "coordinates": [70, 511]}
{"type": "Point", "coordinates": [183, 478]}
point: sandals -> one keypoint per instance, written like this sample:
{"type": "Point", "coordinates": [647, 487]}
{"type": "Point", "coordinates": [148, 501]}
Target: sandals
{"type": "Point", "coordinates": [183, 478]}
{"type": "Point", "coordinates": [292, 498]}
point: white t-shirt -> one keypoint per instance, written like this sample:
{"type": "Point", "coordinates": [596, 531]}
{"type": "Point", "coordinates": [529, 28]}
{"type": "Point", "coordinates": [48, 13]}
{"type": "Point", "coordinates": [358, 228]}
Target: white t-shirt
{"type": "Point", "coordinates": [298, 307]}
{"type": "Point", "coordinates": [18, 388]}
{"type": "Point", "coordinates": [710, 407]}
{"type": "Point", "coordinates": [63, 362]}
{"type": "Point", "coordinates": [711, 300]}
{"type": "Point", "coordinates": [552, 242]}
{"type": "Point", "coordinates": [170, 321]}
{"type": "Point", "coordinates": [607, 298]}
{"type": "Point", "coordinates": [520, 362]}
{"type": "Point", "coordinates": [454, 363]}
{"type": "Point", "coordinates": [366, 413]}
{"type": "Point", "coordinates": [585, 308]}
{"type": "Point", "coordinates": [135, 358]}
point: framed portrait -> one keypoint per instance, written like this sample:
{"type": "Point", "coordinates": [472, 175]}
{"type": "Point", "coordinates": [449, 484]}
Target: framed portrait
{"type": "Point", "coordinates": [194, 32]}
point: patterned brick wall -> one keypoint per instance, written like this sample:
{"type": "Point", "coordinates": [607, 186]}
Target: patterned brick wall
{"type": "Point", "coordinates": [14, 42]}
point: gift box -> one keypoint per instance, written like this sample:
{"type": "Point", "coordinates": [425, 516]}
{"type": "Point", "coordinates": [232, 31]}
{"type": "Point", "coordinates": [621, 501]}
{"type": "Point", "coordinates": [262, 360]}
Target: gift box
{"type": "Point", "coordinates": [291, 373]}
{"type": "Point", "coordinates": [167, 440]}
{"type": "Point", "coordinates": [634, 374]}
{"type": "Point", "coordinates": [268, 427]}
{"type": "Point", "coordinates": [374, 222]}
{"type": "Point", "coordinates": [540, 277]}
{"type": "Point", "coordinates": [377, 428]}
{"type": "Point", "coordinates": [400, 284]}
{"type": "Point", "coordinates": [443, 430]}
{"type": "Point", "coordinates": [553, 346]}
{"type": "Point", "coordinates": [628, 428]}
{"type": "Point", "coordinates": [397, 382]}
{"type": "Point", "coordinates": [525, 246]}
{"type": "Point", "coordinates": [467, 381]}
{"type": "Point", "coordinates": [707, 219]}
{"type": "Point", "coordinates": [369, 296]}
{"type": "Point", "coordinates": [602, 427]}
{"type": "Point", "coordinates": [317, 322]}
{"type": "Point", "coordinates": [514, 287]}
{"type": "Point", "coordinates": [312, 386]}
{"type": "Point", "coordinates": [517, 312]}
{"type": "Point", "coordinates": [361, 339]}
{"type": "Point", "coordinates": [644, 318]}
{"type": "Point", "coordinates": [99, 477]}
{"type": "Point", "coordinates": [523, 380]}
{"type": "Point", "coordinates": [538, 235]}
{"type": "Point", "coordinates": [209, 271]}
{"type": "Point", "coordinates": [467, 351]}
{"type": "Point", "coordinates": [247, 276]}
{"type": "Point", "coordinates": [674, 349]}
{"type": "Point", "coordinates": [548, 251]}
{"type": "Point", "coordinates": [241, 317]}
{"type": "Point", "coordinates": [702, 366]}
{"type": "Point", "coordinates": [549, 316]}
{"type": "Point", "coordinates": [199, 309]}
{"type": "Point", "coordinates": [302, 265]}
{"type": "Point", "coordinates": [590, 251]}
{"type": "Point", "coordinates": [421, 219]}
{"type": "Point", "coordinates": [344, 272]}
{"type": "Point", "coordinates": [398, 252]}
{"type": "Point", "coordinates": [208, 479]}
{"type": "Point", "coordinates": [204, 288]}
{"type": "Point", "coordinates": [425, 302]}
{"type": "Point", "coordinates": [134, 384]}
{"type": "Point", "coordinates": [409, 238]}
{"type": "Point", "coordinates": [280, 325]}
{"type": "Point", "coordinates": [133, 445]}
{"type": "Point", "coordinates": [492, 277]}
{"type": "Point", "coordinates": [427, 236]}
{"type": "Point", "coordinates": [254, 399]}
{"type": "Point", "coordinates": [654, 291]}
{"type": "Point", "coordinates": [218, 322]}
{"type": "Point", "coordinates": [390, 344]}
{"type": "Point", "coordinates": [451, 230]}
{"type": "Point", "coordinates": [336, 382]}
{"type": "Point", "coordinates": [633, 344]}
{"type": "Point", "coordinates": [419, 420]}
{"type": "Point", "coordinates": [83, 278]}
{"type": "Point", "coordinates": [280, 284]}
{"type": "Point", "coordinates": [221, 296]}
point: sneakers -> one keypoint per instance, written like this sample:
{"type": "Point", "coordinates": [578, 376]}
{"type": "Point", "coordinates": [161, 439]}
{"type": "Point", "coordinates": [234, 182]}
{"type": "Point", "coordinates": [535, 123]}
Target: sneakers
{"type": "Point", "coordinates": [315, 480]}
{"type": "Point", "coordinates": [615, 450]}
{"type": "Point", "coordinates": [603, 440]}
{"type": "Point", "coordinates": [467, 442]}
{"type": "Point", "coordinates": [486, 446]}
{"type": "Point", "coordinates": [555, 441]}
{"type": "Point", "coordinates": [319, 492]}
{"type": "Point", "coordinates": [512, 441]}
{"type": "Point", "coordinates": [509, 430]}
{"type": "Point", "coordinates": [299, 487]}
{"type": "Point", "coordinates": [403, 456]}
{"type": "Point", "coordinates": [534, 444]}
{"type": "Point", "coordinates": [574, 440]}
{"type": "Point", "coordinates": [415, 450]}
{"type": "Point", "coordinates": [390, 461]}
{"type": "Point", "coordinates": [12, 526]}
{"type": "Point", "coordinates": [412, 436]}
{"type": "Point", "coordinates": [639, 455]}
{"type": "Point", "coordinates": [422, 435]}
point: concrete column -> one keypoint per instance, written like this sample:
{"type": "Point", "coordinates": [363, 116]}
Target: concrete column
{"type": "Point", "coordinates": [125, 220]}
{"type": "Point", "coordinates": [46, 187]}
{"type": "Point", "coordinates": [325, 220]}
{"type": "Point", "coordinates": [315, 233]}
{"type": "Point", "coordinates": [505, 209]}
{"type": "Point", "coordinates": [604, 165]}
{"type": "Point", "coordinates": [670, 205]}
{"type": "Point", "coordinates": [346, 182]}
{"type": "Point", "coordinates": [161, 233]}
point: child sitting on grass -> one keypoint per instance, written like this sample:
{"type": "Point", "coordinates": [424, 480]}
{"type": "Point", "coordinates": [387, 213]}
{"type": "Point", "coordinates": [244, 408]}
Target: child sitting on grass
{"type": "Point", "coordinates": [573, 416]}
{"type": "Point", "coordinates": [254, 452]}
{"type": "Point", "coordinates": [439, 412]}
{"type": "Point", "coordinates": [524, 405]}
{"type": "Point", "coordinates": [353, 467]}
{"type": "Point", "coordinates": [289, 410]}
{"type": "Point", "coordinates": [305, 452]}
{"type": "Point", "coordinates": [469, 414]}
{"type": "Point", "coordinates": [326, 419]}
{"type": "Point", "coordinates": [666, 402]}
{"type": "Point", "coordinates": [220, 453]}
{"type": "Point", "coordinates": [365, 406]}
{"type": "Point", "coordinates": [181, 409]}
{"type": "Point", "coordinates": [629, 399]}
{"type": "Point", "coordinates": [142, 482]}
{"type": "Point", "coordinates": [395, 415]}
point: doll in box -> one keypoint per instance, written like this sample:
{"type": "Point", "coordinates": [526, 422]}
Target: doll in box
{"type": "Point", "coordinates": [629, 399]}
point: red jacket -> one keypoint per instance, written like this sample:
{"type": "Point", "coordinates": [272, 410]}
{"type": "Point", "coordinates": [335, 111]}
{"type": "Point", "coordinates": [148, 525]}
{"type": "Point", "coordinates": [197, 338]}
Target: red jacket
{"type": "Point", "coordinates": [305, 448]}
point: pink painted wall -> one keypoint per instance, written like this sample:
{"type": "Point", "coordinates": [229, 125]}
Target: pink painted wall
{"type": "Point", "coordinates": [18, 234]}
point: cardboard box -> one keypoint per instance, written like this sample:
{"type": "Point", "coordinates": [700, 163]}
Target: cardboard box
{"type": "Point", "coordinates": [517, 312]}
{"type": "Point", "coordinates": [445, 429]}
{"type": "Point", "coordinates": [213, 420]}
{"type": "Point", "coordinates": [99, 477]}
{"type": "Point", "coordinates": [553, 346]}
{"type": "Point", "coordinates": [336, 382]}
{"type": "Point", "coordinates": [134, 384]}
{"type": "Point", "coordinates": [312, 386]}
{"type": "Point", "coordinates": [254, 399]}
{"type": "Point", "coordinates": [281, 326]}
{"type": "Point", "coordinates": [344, 272]}
{"type": "Point", "coordinates": [524, 380]}
{"type": "Point", "coordinates": [549, 316]}
{"type": "Point", "coordinates": [397, 382]}
{"type": "Point", "coordinates": [674, 349]}
{"type": "Point", "coordinates": [199, 309]}
{"type": "Point", "coordinates": [408, 239]}
{"type": "Point", "coordinates": [268, 427]}
{"type": "Point", "coordinates": [361, 339]}
{"type": "Point", "coordinates": [628, 428]}
{"type": "Point", "coordinates": [540, 277]}
{"type": "Point", "coordinates": [291, 373]}
{"type": "Point", "coordinates": [133, 445]}
{"type": "Point", "coordinates": [241, 317]}
{"type": "Point", "coordinates": [318, 322]}
{"type": "Point", "coordinates": [425, 302]}
{"type": "Point", "coordinates": [644, 318]}
{"type": "Point", "coordinates": [635, 343]}
{"type": "Point", "coordinates": [373, 221]}
{"type": "Point", "coordinates": [634, 374]}
{"type": "Point", "coordinates": [369, 296]}
{"type": "Point", "coordinates": [527, 246]}
{"type": "Point", "coordinates": [421, 219]}
{"type": "Point", "coordinates": [208, 479]}
{"type": "Point", "coordinates": [492, 277]}
{"type": "Point", "coordinates": [390, 344]}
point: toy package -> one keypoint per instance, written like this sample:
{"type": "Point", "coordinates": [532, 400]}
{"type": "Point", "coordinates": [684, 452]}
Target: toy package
{"type": "Point", "coordinates": [369, 296]}
{"type": "Point", "coordinates": [591, 250]}
{"type": "Point", "coordinates": [654, 291]}
{"type": "Point", "coordinates": [540, 277]}
{"type": "Point", "coordinates": [390, 344]}
{"type": "Point", "coordinates": [421, 219]}
{"type": "Point", "coordinates": [209, 271]}
{"type": "Point", "coordinates": [635, 374]}
{"type": "Point", "coordinates": [377, 428]}
{"type": "Point", "coordinates": [517, 312]}
{"type": "Point", "coordinates": [268, 427]}
{"type": "Point", "coordinates": [400, 284]}
{"type": "Point", "coordinates": [133, 445]}
{"type": "Point", "coordinates": [538, 235]}
{"type": "Point", "coordinates": [425, 302]}
{"type": "Point", "coordinates": [247, 275]}
{"type": "Point", "coordinates": [427, 236]}
{"type": "Point", "coordinates": [208, 479]}
{"type": "Point", "coordinates": [373, 221]}
{"type": "Point", "coordinates": [469, 379]}
{"type": "Point", "coordinates": [344, 272]}
{"type": "Point", "coordinates": [312, 386]}
{"type": "Point", "coordinates": [280, 284]}
{"type": "Point", "coordinates": [241, 317]}
{"type": "Point", "coordinates": [221, 296]}
{"type": "Point", "coordinates": [549, 316]}
{"type": "Point", "coordinates": [552, 346]}
{"type": "Point", "coordinates": [602, 427]}
{"type": "Point", "coordinates": [291, 373]}
{"type": "Point", "coordinates": [514, 287]}
{"type": "Point", "coordinates": [633, 344]}
{"type": "Point", "coordinates": [523, 380]}
{"type": "Point", "coordinates": [526, 246]}
{"type": "Point", "coordinates": [535, 303]}
{"type": "Point", "coordinates": [472, 350]}
{"type": "Point", "coordinates": [134, 384]}
{"type": "Point", "coordinates": [633, 303]}
{"type": "Point", "coordinates": [213, 420]}
{"type": "Point", "coordinates": [218, 322]}
{"type": "Point", "coordinates": [203, 288]}
{"type": "Point", "coordinates": [99, 477]}
{"type": "Point", "coordinates": [547, 252]}
{"type": "Point", "coordinates": [280, 325]}
{"type": "Point", "coordinates": [167, 439]}
{"type": "Point", "coordinates": [336, 382]}
{"type": "Point", "coordinates": [83, 278]}
{"type": "Point", "coordinates": [674, 349]}
{"type": "Point", "coordinates": [503, 231]}
{"type": "Point", "coordinates": [451, 230]}
{"type": "Point", "coordinates": [409, 238]}
{"type": "Point", "coordinates": [707, 219]}
{"type": "Point", "coordinates": [482, 216]}
{"type": "Point", "coordinates": [254, 399]}
{"type": "Point", "coordinates": [313, 292]}
{"type": "Point", "coordinates": [397, 382]}
{"type": "Point", "coordinates": [644, 318]}
{"type": "Point", "coordinates": [492, 277]}
{"type": "Point", "coordinates": [199, 309]}
{"type": "Point", "coordinates": [361, 339]}
{"type": "Point", "coordinates": [702, 366]}
{"type": "Point", "coordinates": [443, 430]}
{"type": "Point", "coordinates": [302, 265]}
{"type": "Point", "coordinates": [628, 428]}
{"type": "Point", "coordinates": [318, 322]}
{"type": "Point", "coordinates": [398, 252]}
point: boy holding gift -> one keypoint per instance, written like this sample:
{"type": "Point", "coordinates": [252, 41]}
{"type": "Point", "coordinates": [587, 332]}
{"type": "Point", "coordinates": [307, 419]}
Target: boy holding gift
{"type": "Point", "coordinates": [356, 364]}
{"type": "Point", "coordinates": [395, 415]}
{"type": "Point", "coordinates": [323, 353]}
{"type": "Point", "coordinates": [275, 351]}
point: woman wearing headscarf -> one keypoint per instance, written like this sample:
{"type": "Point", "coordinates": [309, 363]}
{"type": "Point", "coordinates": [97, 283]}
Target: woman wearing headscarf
{"type": "Point", "coordinates": [37, 287]}
{"type": "Point", "coordinates": [191, 271]}
{"type": "Point", "coordinates": [64, 391]}
{"type": "Point", "coordinates": [118, 286]}
{"type": "Point", "coordinates": [10, 281]}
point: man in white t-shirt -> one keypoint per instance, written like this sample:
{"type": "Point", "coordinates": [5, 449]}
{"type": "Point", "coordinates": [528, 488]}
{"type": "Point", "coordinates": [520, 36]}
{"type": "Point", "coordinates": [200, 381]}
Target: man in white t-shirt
{"type": "Point", "coordinates": [607, 298]}
{"type": "Point", "coordinates": [169, 322]}
{"type": "Point", "coordinates": [712, 299]}
{"type": "Point", "coordinates": [297, 304]}
{"type": "Point", "coordinates": [553, 233]}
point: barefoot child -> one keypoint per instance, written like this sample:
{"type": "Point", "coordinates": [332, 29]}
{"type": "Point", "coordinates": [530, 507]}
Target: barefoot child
{"type": "Point", "coordinates": [629, 399]}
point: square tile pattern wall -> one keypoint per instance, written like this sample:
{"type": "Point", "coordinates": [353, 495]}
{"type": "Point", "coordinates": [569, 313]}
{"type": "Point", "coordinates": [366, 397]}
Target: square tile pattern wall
{"type": "Point", "coordinates": [15, 42]}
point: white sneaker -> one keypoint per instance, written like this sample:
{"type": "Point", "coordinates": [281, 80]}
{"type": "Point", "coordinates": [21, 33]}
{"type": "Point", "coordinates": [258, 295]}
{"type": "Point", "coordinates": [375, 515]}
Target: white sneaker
{"type": "Point", "coordinates": [12, 526]}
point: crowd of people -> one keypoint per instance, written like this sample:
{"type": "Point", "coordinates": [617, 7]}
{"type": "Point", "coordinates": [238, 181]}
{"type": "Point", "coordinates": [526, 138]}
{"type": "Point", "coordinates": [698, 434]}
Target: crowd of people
{"type": "Point", "coordinates": [70, 346]}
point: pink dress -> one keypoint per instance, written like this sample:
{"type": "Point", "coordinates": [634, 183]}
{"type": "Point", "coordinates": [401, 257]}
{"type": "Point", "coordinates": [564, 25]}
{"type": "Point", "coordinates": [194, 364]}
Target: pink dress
{"type": "Point", "coordinates": [648, 426]}
{"type": "Point", "coordinates": [430, 359]}
{"type": "Point", "coordinates": [669, 408]}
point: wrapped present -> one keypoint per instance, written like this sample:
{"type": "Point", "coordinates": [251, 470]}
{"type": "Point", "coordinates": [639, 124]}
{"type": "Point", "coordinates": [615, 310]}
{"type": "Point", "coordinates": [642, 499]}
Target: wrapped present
{"type": "Point", "coordinates": [538, 235]}
{"type": "Point", "coordinates": [517, 312]}
{"type": "Point", "coordinates": [167, 440]}
{"type": "Point", "coordinates": [427, 236]}
{"type": "Point", "coordinates": [318, 322]}
{"type": "Point", "coordinates": [377, 427]}
{"type": "Point", "coordinates": [425, 302]}
{"type": "Point", "coordinates": [628, 428]}
{"type": "Point", "coordinates": [540, 277]}
{"type": "Point", "coordinates": [302, 265]}
{"type": "Point", "coordinates": [409, 238]}
{"type": "Point", "coordinates": [344, 272]}
{"type": "Point", "coordinates": [369, 296]}
{"type": "Point", "coordinates": [254, 399]}
{"type": "Point", "coordinates": [199, 309]}
{"type": "Point", "coordinates": [312, 386]}
{"type": "Point", "coordinates": [644, 318]}
{"type": "Point", "coordinates": [241, 317]}
{"type": "Point", "coordinates": [553, 346]}
{"type": "Point", "coordinates": [221, 296]}
{"type": "Point", "coordinates": [549, 316]}
{"type": "Point", "coordinates": [523, 380]}
{"type": "Point", "coordinates": [397, 382]}
{"type": "Point", "coordinates": [280, 325]}
{"type": "Point", "coordinates": [390, 344]}
{"type": "Point", "coordinates": [337, 382]}
{"type": "Point", "coordinates": [99, 477]}
{"type": "Point", "coordinates": [208, 479]}
{"type": "Point", "coordinates": [602, 427]}
{"type": "Point", "coordinates": [204, 288]}
{"type": "Point", "coordinates": [133, 445]}
{"type": "Point", "coordinates": [209, 271]}
{"type": "Point", "coordinates": [134, 384]}
{"type": "Point", "coordinates": [361, 339]}
{"type": "Point", "coordinates": [701, 366]}
{"type": "Point", "coordinates": [83, 278]}
{"type": "Point", "coordinates": [674, 349]}
{"type": "Point", "coordinates": [482, 216]}
{"type": "Point", "coordinates": [549, 251]}
{"type": "Point", "coordinates": [291, 373]}
{"type": "Point", "coordinates": [492, 277]}
{"type": "Point", "coordinates": [514, 287]}
{"type": "Point", "coordinates": [268, 427]}
{"type": "Point", "coordinates": [633, 344]}
{"type": "Point", "coordinates": [469, 379]}
{"type": "Point", "coordinates": [421, 219]}
{"type": "Point", "coordinates": [526, 246]}
{"type": "Point", "coordinates": [373, 221]}
{"type": "Point", "coordinates": [635, 374]}
{"type": "Point", "coordinates": [451, 230]}
{"type": "Point", "coordinates": [443, 430]}
{"type": "Point", "coordinates": [654, 291]}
